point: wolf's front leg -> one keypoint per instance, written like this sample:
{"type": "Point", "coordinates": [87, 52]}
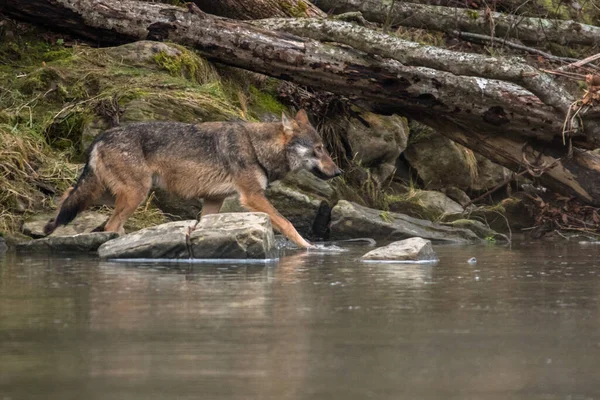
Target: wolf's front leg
{"type": "Point", "coordinates": [258, 202]}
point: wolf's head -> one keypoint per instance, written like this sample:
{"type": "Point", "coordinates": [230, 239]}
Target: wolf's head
{"type": "Point", "coordinates": [305, 148]}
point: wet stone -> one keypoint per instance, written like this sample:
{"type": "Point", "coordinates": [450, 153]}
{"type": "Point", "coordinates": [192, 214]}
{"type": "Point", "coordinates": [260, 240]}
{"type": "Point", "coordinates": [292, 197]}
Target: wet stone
{"type": "Point", "coordinates": [413, 249]}
{"type": "Point", "coordinates": [216, 236]}
{"type": "Point", "coordinates": [83, 242]}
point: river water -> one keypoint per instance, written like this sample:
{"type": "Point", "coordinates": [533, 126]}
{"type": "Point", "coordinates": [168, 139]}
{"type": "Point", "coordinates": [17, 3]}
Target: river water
{"type": "Point", "coordinates": [521, 323]}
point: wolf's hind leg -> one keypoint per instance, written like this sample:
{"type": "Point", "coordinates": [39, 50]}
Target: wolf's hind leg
{"type": "Point", "coordinates": [125, 204]}
{"type": "Point", "coordinates": [211, 206]}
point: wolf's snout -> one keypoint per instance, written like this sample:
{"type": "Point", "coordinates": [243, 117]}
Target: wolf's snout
{"type": "Point", "coordinates": [337, 172]}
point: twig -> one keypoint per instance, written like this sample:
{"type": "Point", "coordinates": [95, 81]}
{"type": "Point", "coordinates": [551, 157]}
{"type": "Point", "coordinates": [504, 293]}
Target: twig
{"type": "Point", "coordinates": [581, 63]}
{"type": "Point", "coordinates": [570, 75]}
{"type": "Point", "coordinates": [508, 43]}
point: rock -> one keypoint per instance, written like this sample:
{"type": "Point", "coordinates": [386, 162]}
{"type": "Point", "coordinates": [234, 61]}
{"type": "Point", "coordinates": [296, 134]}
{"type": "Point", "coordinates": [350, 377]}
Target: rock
{"type": "Point", "coordinates": [160, 241]}
{"type": "Point", "coordinates": [233, 235]}
{"type": "Point", "coordinates": [230, 235]}
{"type": "Point", "coordinates": [85, 222]}
{"type": "Point", "coordinates": [350, 220]}
{"type": "Point", "coordinates": [427, 204]}
{"type": "Point", "coordinates": [457, 195]}
{"type": "Point", "coordinates": [307, 212]}
{"type": "Point", "coordinates": [480, 229]}
{"type": "Point", "coordinates": [376, 141]}
{"type": "Point", "coordinates": [440, 162]}
{"type": "Point", "coordinates": [489, 174]}
{"type": "Point", "coordinates": [413, 249]}
{"type": "Point", "coordinates": [510, 215]}
{"type": "Point", "coordinates": [83, 242]}
{"type": "Point", "coordinates": [309, 184]}
{"type": "Point", "coordinates": [3, 246]}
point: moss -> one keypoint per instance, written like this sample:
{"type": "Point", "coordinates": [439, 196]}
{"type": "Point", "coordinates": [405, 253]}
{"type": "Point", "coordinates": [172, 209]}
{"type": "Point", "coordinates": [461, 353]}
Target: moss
{"type": "Point", "coordinates": [473, 14]}
{"type": "Point", "coordinates": [265, 101]}
{"type": "Point", "coordinates": [186, 64]}
{"type": "Point", "coordinates": [297, 11]}
{"type": "Point", "coordinates": [56, 55]}
{"type": "Point", "coordinates": [386, 216]}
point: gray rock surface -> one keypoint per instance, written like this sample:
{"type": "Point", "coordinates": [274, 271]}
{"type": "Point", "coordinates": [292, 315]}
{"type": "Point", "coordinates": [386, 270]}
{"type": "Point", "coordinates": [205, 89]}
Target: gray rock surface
{"type": "Point", "coordinates": [377, 141]}
{"type": "Point", "coordinates": [413, 249]}
{"type": "Point", "coordinates": [228, 235]}
{"type": "Point", "coordinates": [233, 235]}
{"type": "Point", "coordinates": [427, 204]}
{"type": "Point", "coordinates": [350, 220]}
{"type": "Point", "coordinates": [441, 162]}
{"type": "Point", "coordinates": [160, 241]}
{"type": "Point", "coordinates": [3, 246]}
{"type": "Point", "coordinates": [83, 242]}
{"type": "Point", "coordinates": [84, 223]}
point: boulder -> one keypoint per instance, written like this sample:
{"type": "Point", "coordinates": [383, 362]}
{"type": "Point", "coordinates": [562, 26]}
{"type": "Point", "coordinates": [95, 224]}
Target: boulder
{"type": "Point", "coordinates": [350, 220]}
{"type": "Point", "coordinates": [233, 235]}
{"type": "Point", "coordinates": [376, 141]}
{"type": "Point", "coordinates": [229, 235]}
{"type": "Point", "coordinates": [441, 162]}
{"type": "Point", "coordinates": [309, 184]}
{"type": "Point", "coordinates": [83, 242]}
{"type": "Point", "coordinates": [309, 213]}
{"type": "Point", "coordinates": [85, 222]}
{"type": "Point", "coordinates": [427, 204]}
{"type": "Point", "coordinates": [457, 195]}
{"type": "Point", "coordinates": [510, 215]}
{"type": "Point", "coordinates": [413, 249]}
{"type": "Point", "coordinates": [160, 241]}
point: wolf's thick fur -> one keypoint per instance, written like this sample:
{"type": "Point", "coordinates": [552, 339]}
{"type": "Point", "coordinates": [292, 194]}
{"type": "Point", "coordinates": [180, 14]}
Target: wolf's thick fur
{"type": "Point", "coordinates": [209, 160]}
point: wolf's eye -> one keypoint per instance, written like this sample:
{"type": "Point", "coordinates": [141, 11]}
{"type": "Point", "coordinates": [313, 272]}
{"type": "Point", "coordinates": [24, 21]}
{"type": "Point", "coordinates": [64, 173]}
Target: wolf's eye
{"type": "Point", "coordinates": [319, 148]}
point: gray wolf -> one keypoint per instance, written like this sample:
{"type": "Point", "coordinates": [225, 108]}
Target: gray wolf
{"type": "Point", "coordinates": [210, 160]}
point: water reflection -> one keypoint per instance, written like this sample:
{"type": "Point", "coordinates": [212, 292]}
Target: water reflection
{"type": "Point", "coordinates": [521, 323]}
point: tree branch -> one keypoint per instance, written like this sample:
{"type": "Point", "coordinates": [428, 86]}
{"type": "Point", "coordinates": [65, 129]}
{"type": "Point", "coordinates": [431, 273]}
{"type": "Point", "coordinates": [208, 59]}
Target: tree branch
{"type": "Point", "coordinates": [449, 19]}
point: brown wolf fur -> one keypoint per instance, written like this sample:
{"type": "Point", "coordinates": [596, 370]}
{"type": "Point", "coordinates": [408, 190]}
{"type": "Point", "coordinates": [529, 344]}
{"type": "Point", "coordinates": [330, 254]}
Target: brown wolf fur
{"type": "Point", "coordinates": [210, 160]}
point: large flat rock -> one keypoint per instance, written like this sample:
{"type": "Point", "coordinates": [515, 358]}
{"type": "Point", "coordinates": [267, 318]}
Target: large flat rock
{"type": "Point", "coordinates": [350, 220]}
{"type": "Point", "coordinates": [160, 241]}
{"type": "Point", "coordinates": [233, 235]}
{"type": "Point", "coordinates": [225, 236]}
{"type": "Point", "coordinates": [83, 242]}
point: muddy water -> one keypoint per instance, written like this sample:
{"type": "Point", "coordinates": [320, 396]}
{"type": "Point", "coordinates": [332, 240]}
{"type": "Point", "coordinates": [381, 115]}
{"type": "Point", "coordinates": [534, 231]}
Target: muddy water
{"type": "Point", "coordinates": [522, 323]}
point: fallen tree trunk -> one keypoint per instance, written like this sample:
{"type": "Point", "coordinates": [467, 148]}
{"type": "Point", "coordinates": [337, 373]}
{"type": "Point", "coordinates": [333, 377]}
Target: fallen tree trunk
{"type": "Point", "coordinates": [486, 115]}
{"type": "Point", "coordinates": [450, 19]}
{"type": "Point", "coordinates": [257, 9]}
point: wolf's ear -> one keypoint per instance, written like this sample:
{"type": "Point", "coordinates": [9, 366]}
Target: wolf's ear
{"type": "Point", "coordinates": [288, 127]}
{"type": "Point", "coordinates": [302, 118]}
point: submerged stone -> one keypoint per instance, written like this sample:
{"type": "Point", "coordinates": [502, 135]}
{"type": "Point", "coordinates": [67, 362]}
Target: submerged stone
{"type": "Point", "coordinates": [413, 249]}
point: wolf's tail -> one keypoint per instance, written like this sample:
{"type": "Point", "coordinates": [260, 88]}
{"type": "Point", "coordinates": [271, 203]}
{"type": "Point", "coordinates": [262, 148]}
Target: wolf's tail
{"type": "Point", "coordinates": [76, 199]}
